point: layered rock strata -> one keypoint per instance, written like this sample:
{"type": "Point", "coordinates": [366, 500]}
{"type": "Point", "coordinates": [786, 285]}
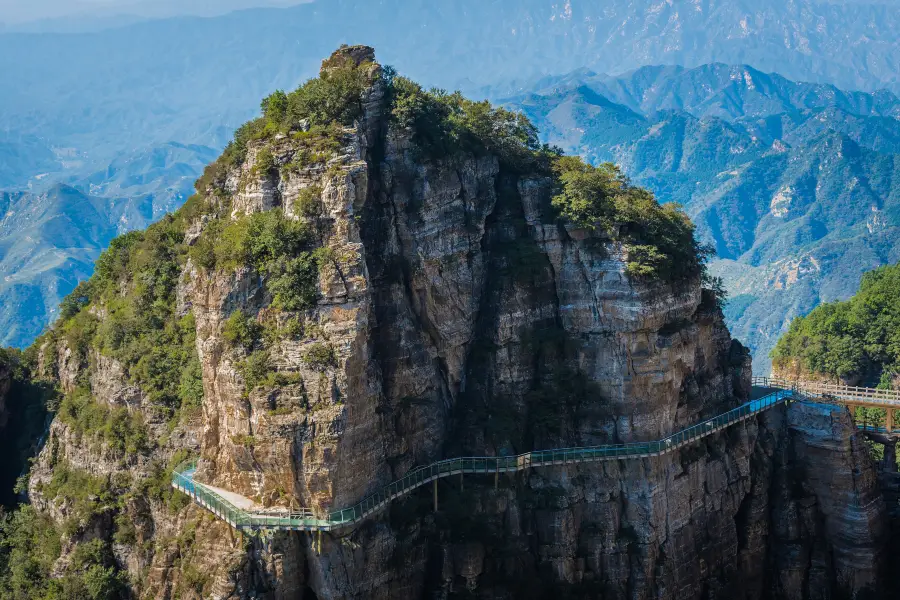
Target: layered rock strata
{"type": "Point", "coordinates": [462, 318]}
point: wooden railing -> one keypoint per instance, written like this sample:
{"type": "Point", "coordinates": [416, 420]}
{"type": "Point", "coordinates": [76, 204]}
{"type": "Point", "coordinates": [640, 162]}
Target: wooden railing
{"type": "Point", "coordinates": [861, 396]}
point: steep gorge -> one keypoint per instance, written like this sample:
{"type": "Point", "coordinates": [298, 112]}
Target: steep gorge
{"type": "Point", "coordinates": [362, 298]}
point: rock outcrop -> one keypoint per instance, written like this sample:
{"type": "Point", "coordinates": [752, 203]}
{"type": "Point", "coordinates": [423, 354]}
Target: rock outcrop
{"type": "Point", "coordinates": [456, 315]}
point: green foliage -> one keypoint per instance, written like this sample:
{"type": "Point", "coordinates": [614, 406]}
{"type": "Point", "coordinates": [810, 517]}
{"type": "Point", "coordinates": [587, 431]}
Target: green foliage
{"type": "Point", "coordinates": [316, 145]}
{"type": "Point", "coordinates": [122, 431]}
{"type": "Point", "coordinates": [587, 194]}
{"type": "Point", "coordinates": [309, 202]}
{"type": "Point", "coordinates": [29, 547]}
{"type": "Point", "coordinates": [274, 246]}
{"type": "Point", "coordinates": [79, 332]}
{"type": "Point", "coordinates": [334, 96]}
{"type": "Point", "coordinates": [156, 485]}
{"type": "Point", "coordinates": [193, 578]}
{"type": "Point", "coordinates": [274, 331]}
{"type": "Point", "coordinates": [241, 330]}
{"type": "Point", "coordinates": [112, 266]}
{"type": "Point", "coordinates": [320, 357]}
{"type": "Point", "coordinates": [135, 281]}
{"type": "Point", "coordinates": [255, 368]}
{"type": "Point", "coordinates": [660, 238]}
{"type": "Point", "coordinates": [274, 107]}
{"type": "Point", "coordinates": [236, 151]}
{"type": "Point", "coordinates": [74, 302]}
{"type": "Point", "coordinates": [265, 162]}
{"type": "Point", "coordinates": [126, 533]}
{"type": "Point", "coordinates": [294, 281]}
{"type": "Point", "coordinates": [859, 337]}
{"type": "Point", "coordinates": [190, 388]}
{"type": "Point", "coordinates": [247, 441]}
{"type": "Point", "coordinates": [443, 124]}
{"type": "Point", "coordinates": [262, 238]}
{"type": "Point", "coordinates": [323, 104]}
{"type": "Point", "coordinates": [102, 583]}
{"type": "Point", "coordinates": [84, 495]}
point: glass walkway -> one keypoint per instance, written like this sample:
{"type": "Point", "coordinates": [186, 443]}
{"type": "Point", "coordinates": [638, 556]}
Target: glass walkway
{"type": "Point", "coordinates": [772, 392]}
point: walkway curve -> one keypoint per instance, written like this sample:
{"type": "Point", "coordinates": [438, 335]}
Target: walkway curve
{"type": "Point", "coordinates": [305, 520]}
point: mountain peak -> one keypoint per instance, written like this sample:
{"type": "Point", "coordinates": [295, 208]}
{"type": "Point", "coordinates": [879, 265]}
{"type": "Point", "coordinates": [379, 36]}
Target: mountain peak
{"type": "Point", "coordinates": [345, 56]}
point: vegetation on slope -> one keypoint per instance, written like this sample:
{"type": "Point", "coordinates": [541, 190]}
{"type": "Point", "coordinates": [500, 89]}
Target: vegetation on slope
{"type": "Point", "coordinates": [857, 339]}
{"type": "Point", "coordinates": [660, 239]}
{"type": "Point", "coordinates": [127, 311]}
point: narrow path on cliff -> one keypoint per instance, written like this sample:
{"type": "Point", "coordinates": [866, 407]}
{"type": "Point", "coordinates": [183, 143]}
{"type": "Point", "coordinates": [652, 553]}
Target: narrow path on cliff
{"type": "Point", "coordinates": [242, 514]}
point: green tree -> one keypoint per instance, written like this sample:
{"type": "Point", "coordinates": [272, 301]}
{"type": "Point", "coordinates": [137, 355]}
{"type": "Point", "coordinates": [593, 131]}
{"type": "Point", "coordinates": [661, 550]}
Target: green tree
{"type": "Point", "coordinates": [852, 339]}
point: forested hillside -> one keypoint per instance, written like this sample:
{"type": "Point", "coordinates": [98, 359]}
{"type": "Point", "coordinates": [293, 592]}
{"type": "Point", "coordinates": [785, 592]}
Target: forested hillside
{"type": "Point", "coordinates": [857, 341]}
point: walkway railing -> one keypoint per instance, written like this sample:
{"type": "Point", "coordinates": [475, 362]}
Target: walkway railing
{"type": "Point", "coordinates": [847, 394]}
{"type": "Point", "coordinates": [183, 477]}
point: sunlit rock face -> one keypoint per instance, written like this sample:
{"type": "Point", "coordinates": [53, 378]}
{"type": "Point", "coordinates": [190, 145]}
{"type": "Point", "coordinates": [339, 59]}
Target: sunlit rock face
{"type": "Point", "coordinates": [461, 318]}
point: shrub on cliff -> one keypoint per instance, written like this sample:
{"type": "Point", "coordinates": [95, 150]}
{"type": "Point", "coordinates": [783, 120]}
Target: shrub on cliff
{"type": "Point", "coordinates": [241, 330]}
{"type": "Point", "coordinates": [122, 431]}
{"type": "Point", "coordinates": [443, 123]}
{"type": "Point", "coordinates": [135, 283]}
{"type": "Point", "coordinates": [320, 357]}
{"type": "Point", "coordinates": [852, 339]}
{"type": "Point", "coordinates": [29, 548]}
{"type": "Point", "coordinates": [275, 246]}
{"type": "Point", "coordinates": [333, 97]}
{"type": "Point", "coordinates": [660, 238]}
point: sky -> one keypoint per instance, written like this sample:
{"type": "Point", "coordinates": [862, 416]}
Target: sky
{"type": "Point", "coordinates": [22, 11]}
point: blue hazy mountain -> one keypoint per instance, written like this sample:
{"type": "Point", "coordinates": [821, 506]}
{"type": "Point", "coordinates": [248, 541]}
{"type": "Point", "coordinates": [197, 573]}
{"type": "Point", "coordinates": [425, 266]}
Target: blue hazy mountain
{"type": "Point", "coordinates": [181, 79]}
{"type": "Point", "coordinates": [49, 239]}
{"type": "Point", "coordinates": [794, 184]}
{"type": "Point", "coordinates": [91, 110]}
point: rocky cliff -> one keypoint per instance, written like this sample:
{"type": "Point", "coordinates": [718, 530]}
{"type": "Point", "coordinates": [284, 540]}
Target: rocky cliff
{"type": "Point", "coordinates": [387, 282]}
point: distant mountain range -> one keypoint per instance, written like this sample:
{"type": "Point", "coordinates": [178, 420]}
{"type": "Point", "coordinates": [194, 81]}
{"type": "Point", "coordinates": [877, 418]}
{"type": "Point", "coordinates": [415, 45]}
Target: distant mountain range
{"type": "Point", "coordinates": [50, 239]}
{"type": "Point", "coordinates": [796, 185]}
{"type": "Point", "coordinates": [130, 115]}
{"type": "Point", "coordinates": [192, 79]}
{"type": "Point", "coordinates": [80, 16]}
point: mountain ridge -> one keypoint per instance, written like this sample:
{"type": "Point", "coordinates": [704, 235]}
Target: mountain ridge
{"type": "Point", "coordinates": [798, 204]}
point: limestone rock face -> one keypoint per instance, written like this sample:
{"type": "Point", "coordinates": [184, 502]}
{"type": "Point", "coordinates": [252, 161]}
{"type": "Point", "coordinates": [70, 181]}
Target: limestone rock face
{"type": "Point", "coordinates": [461, 318]}
{"type": "Point", "coordinates": [836, 507]}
